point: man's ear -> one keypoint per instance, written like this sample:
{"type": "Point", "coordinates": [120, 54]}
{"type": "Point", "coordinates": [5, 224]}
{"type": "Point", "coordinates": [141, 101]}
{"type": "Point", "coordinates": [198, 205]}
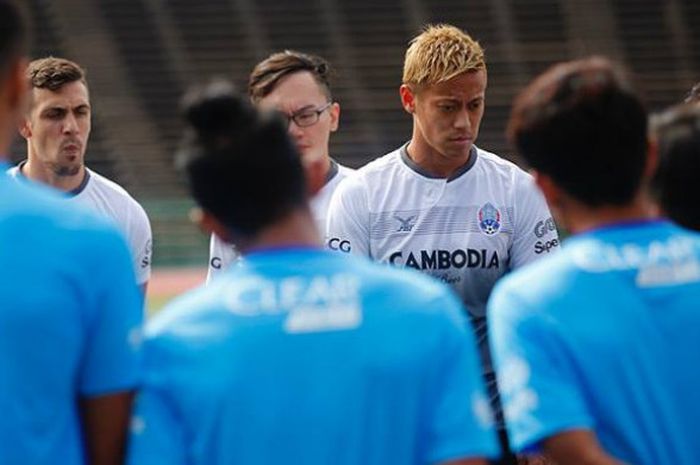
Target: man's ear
{"type": "Point", "coordinates": [208, 224]}
{"type": "Point", "coordinates": [25, 128]}
{"type": "Point", "coordinates": [408, 98]}
{"type": "Point", "coordinates": [334, 111]}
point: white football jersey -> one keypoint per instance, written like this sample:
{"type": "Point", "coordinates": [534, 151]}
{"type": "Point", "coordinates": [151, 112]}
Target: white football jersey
{"type": "Point", "coordinates": [113, 201]}
{"type": "Point", "coordinates": [468, 230]}
{"type": "Point", "coordinates": [222, 254]}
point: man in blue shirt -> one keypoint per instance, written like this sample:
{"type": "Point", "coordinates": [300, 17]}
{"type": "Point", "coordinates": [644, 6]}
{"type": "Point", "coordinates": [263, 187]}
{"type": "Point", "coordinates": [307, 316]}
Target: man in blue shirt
{"type": "Point", "coordinates": [300, 355]}
{"type": "Point", "coordinates": [70, 312]}
{"type": "Point", "coordinates": [596, 347]}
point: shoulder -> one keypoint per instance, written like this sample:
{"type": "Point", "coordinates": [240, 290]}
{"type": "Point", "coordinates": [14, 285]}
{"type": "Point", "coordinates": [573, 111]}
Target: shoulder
{"type": "Point", "coordinates": [499, 166]}
{"type": "Point", "coordinates": [514, 180]}
{"type": "Point", "coordinates": [545, 284]}
{"type": "Point", "coordinates": [116, 194]}
{"type": "Point", "coordinates": [42, 213]}
{"type": "Point", "coordinates": [360, 181]}
{"type": "Point", "coordinates": [380, 166]}
{"type": "Point", "coordinates": [345, 171]}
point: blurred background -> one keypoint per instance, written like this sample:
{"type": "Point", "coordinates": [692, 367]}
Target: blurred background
{"type": "Point", "coordinates": [141, 55]}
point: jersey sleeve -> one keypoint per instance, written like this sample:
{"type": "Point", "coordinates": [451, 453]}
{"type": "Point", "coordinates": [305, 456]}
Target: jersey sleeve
{"type": "Point", "coordinates": [156, 434]}
{"type": "Point", "coordinates": [113, 320]}
{"type": "Point", "coordinates": [347, 226]}
{"type": "Point", "coordinates": [221, 256]}
{"type": "Point", "coordinates": [539, 388]}
{"type": "Point", "coordinates": [141, 239]}
{"type": "Point", "coordinates": [535, 233]}
{"type": "Point", "coordinates": [459, 421]}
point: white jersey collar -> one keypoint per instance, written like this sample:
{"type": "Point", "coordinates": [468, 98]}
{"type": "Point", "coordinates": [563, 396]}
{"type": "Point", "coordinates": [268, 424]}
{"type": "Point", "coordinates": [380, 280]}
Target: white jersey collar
{"type": "Point", "coordinates": [403, 152]}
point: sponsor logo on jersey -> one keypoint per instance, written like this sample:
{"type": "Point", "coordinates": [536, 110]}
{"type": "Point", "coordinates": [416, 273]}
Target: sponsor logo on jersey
{"type": "Point", "coordinates": [311, 303]}
{"type": "Point", "coordinates": [544, 227]}
{"type": "Point", "coordinates": [520, 398]}
{"type": "Point", "coordinates": [406, 224]}
{"type": "Point", "coordinates": [447, 259]}
{"type": "Point", "coordinates": [215, 263]}
{"type": "Point", "coordinates": [147, 252]}
{"type": "Point", "coordinates": [449, 278]}
{"type": "Point", "coordinates": [489, 218]}
{"type": "Point", "coordinates": [336, 243]}
{"type": "Point", "coordinates": [546, 246]}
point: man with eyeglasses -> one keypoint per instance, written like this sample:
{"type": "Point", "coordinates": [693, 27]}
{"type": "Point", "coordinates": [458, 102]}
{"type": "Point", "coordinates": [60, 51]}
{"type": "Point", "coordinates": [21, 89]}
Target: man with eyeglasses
{"type": "Point", "coordinates": [298, 85]}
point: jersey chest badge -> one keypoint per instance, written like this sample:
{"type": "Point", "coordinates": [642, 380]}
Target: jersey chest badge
{"type": "Point", "coordinates": [489, 218]}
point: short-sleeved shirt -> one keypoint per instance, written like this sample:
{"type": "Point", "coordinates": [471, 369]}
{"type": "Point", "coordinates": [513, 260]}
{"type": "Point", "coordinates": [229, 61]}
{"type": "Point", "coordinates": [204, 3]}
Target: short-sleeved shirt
{"type": "Point", "coordinates": [114, 202]}
{"type": "Point", "coordinates": [467, 231]}
{"type": "Point", "coordinates": [222, 254]}
{"type": "Point", "coordinates": [308, 356]}
{"type": "Point", "coordinates": [69, 321]}
{"type": "Point", "coordinates": [605, 336]}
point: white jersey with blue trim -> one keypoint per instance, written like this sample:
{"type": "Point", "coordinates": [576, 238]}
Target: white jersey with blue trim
{"type": "Point", "coordinates": [467, 231]}
{"type": "Point", "coordinates": [112, 201]}
{"type": "Point", "coordinates": [222, 254]}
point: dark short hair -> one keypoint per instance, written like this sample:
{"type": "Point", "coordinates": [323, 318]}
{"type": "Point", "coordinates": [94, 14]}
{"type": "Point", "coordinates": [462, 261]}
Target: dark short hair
{"type": "Point", "coordinates": [241, 166]}
{"type": "Point", "coordinates": [581, 124]}
{"type": "Point", "coordinates": [694, 94]}
{"type": "Point", "coordinates": [675, 183]}
{"type": "Point", "coordinates": [14, 33]}
{"type": "Point", "coordinates": [53, 73]}
{"type": "Point", "coordinates": [268, 73]}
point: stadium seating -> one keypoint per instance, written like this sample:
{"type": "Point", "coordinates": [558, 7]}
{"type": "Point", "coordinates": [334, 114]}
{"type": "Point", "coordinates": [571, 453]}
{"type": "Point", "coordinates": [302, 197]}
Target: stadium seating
{"type": "Point", "coordinates": [159, 47]}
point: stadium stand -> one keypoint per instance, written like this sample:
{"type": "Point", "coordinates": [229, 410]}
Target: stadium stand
{"type": "Point", "coordinates": [141, 53]}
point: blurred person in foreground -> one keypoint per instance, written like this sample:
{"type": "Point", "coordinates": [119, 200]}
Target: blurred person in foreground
{"type": "Point", "coordinates": [299, 86]}
{"type": "Point", "coordinates": [595, 347]}
{"type": "Point", "coordinates": [70, 313]}
{"type": "Point", "coordinates": [57, 128]}
{"type": "Point", "coordinates": [298, 355]}
{"type": "Point", "coordinates": [676, 187]}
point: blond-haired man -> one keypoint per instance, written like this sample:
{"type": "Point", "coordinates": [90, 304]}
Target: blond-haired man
{"type": "Point", "coordinates": [438, 203]}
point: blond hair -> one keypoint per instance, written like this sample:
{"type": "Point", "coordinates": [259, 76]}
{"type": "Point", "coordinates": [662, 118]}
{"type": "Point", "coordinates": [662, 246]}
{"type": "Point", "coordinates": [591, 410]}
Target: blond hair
{"type": "Point", "coordinates": [440, 53]}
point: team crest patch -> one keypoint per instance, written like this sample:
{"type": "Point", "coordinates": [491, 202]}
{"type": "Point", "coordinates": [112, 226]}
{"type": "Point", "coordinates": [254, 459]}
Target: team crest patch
{"type": "Point", "coordinates": [489, 219]}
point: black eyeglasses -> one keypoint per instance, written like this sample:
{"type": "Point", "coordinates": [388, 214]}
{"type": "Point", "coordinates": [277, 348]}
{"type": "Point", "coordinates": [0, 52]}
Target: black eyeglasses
{"type": "Point", "coordinates": [308, 116]}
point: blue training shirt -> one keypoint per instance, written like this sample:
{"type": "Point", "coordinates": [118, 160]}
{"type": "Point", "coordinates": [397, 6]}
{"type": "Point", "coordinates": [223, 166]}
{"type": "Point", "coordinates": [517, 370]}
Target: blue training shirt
{"type": "Point", "coordinates": [69, 321]}
{"type": "Point", "coordinates": [310, 357]}
{"type": "Point", "coordinates": [605, 336]}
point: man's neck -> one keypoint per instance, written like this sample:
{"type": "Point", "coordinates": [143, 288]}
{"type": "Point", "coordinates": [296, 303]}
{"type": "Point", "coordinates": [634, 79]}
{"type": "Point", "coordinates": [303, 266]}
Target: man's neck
{"type": "Point", "coordinates": [432, 162]}
{"type": "Point", "coordinates": [296, 229]}
{"type": "Point", "coordinates": [580, 218]}
{"type": "Point", "coordinates": [41, 173]}
{"type": "Point", "coordinates": [326, 167]}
